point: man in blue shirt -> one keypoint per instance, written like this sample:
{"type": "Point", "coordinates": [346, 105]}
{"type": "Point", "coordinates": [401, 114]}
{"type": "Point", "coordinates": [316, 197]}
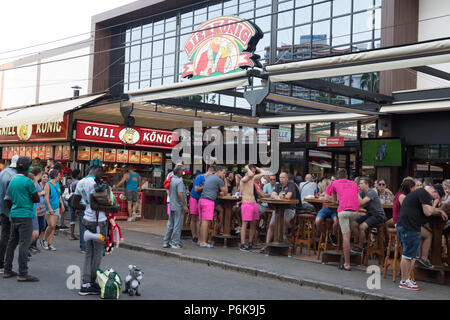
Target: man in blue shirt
{"type": "Point", "coordinates": [20, 198]}
{"type": "Point", "coordinates": [196, 193]}
{"type": "Point", "coordinates": [5, 177]}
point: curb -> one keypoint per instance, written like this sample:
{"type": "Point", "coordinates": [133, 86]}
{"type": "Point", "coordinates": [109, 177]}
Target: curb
{"type": "Point", "coordinates": [364, 295]}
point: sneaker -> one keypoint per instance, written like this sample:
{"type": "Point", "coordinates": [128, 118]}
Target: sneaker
{"type": "Point", "coordinates": [51, 247]}
{"type": "Point", "coordinates": [90, 289]}
{"type": "Point", "coordinates": [45, 245]}
{"type": "Point", "coordinates": [250, 246]}
{"type": "Point", "coordinates": [333, 239]}
{"type": "Point", "coordinates": [176, 246]}
{"type": "Point", "coordinates": [413, 284]}
{"type": "Point", "coordinates": [63, 228]}
{"type": "Point", "coordinates": [96, 286]}
{"type": "Point", "coordinates": [83, 251]}
{"type": "Point", "coordinates": [34, 249]}
{"type": "Point", "coordinates": [237, 229]}
{"type": "Point", "coordinates": [356, 250]}
{"type": "Point", "coordinates": [244, 247]}
{"type": "Point", "coordinates": [426, 263]}
{"type": "Point", "coordinates": [408, 285]}
{"type": "Point", "coordinates": [166, 245]}
{"type": "Point", "coordinates": [195, 240]}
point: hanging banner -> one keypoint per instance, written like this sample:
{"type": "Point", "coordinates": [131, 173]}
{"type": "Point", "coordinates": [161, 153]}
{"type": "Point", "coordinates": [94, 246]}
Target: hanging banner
{"type": "Point", "coordinates": [220, 46]}
{"type": "Point", "coordinates": [97, 132]}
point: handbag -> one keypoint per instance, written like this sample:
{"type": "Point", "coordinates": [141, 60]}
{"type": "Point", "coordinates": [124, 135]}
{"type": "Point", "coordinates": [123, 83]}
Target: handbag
{"type": "Point", "coordinates": [41, 211]}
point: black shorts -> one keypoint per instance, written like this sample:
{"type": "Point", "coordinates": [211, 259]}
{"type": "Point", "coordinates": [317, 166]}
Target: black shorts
{"type": "Point", "coordinates": [371, 221]}
{"type": "Point", "coordinates": [218, 202]}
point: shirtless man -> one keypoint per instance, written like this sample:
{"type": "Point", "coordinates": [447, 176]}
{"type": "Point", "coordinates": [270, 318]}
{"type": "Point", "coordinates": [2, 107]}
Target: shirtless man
{"type": "Point", "coordinates": [249, 207]}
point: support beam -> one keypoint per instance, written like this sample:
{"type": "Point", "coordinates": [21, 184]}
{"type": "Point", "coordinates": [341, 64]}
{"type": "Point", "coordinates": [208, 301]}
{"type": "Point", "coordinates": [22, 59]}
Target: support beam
{"type": "Point", "coordinates": [433, 72]}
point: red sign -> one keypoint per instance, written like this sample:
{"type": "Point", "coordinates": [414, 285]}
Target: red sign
{"type": "Point", "coordinates": [220, 46]}
{"type": "Point", "coordinates": [330, 142]}
{"type": "Point", "coordinates": [88, 131]}
{"type": "Point", "coordinates": [51, 131]}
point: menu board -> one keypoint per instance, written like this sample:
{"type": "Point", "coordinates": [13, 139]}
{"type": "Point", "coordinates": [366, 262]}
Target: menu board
{"type": "Point", "coordinates": [16, 151]}
{"type": "Point", "coordinates": [58, 152]}
{"type": "Point", "coordinates": [97, 153]}
{"type": "Point", "coordinates": [42, 152]}
{"type": "Point", "coordinates": [5, 152]}
{"type": "Point", "coordinates": [134, 156]}
{"type": "Point", "coordinates": [66, 153]}
{"type": "Point", "coordinates": [122, 156]}
{"type": "Point", "coordinates": [146, 157]}
{"type": "Point", "coordinates": [109, 155]}
{"type": "Point", "coordinates": [157, 158]}
{"type": "Point", "coordinates": [48, 152]}
{"type": "Point", "coordinates": [28, 152]}
{"type": "Point", "coordinates": [35, 152]}
{"type": "Point", "coordinates": [84, 153]}
{"type": "Point", "coordinates": [22, 151]}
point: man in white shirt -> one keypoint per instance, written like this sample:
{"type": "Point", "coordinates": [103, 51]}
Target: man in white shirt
{"type": "Point", "coordinates": [307, 189]}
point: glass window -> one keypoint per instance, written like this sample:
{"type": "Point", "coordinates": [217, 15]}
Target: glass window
{"type": "Point", "coordinates": [147, 31]}
{"type": "Point", "coordinates": [300, 92]}
{"type": "Point", "coordinates": [215, 11]}
{"type": "Point", "coordinates": [158, 28]}
{"type": "Point", "coordinates": [157, 67]}
{"type": "Point", "coordinates": [242, 103]}
{"type": "Point", "coordinates": [263, 3]}
{"type": "Point", "coordinates": [128, 35]}
{"type": "Point", "coordinates": [341, 31]}
{"type": "Point", "coordinates": [284, 44]}
{"type": "Point", "coordinates": [303, 15]}
{"type": "Point", "coordinates": [146, 50]}
{"type": "Point", "coordinates": [145, 69]}
{"type": "Point", "coordinates": [322, 11]}
{"type": "Point", "coordinates": [362, 26]}
{"type": "Point", "coordinates": [126, 67]}
{"type": "Point", "coordinates": [136, 34]}
{"type": "Point", "coordinates": [285, 19]}
{"type": "Point", "coordinates": [168, 80]}
{"type": "Point", "coordinates": [135, 52]}
{"type": "Point", "coordinates": [134, 71]}
{"type": "Point", "coordinates": [169, 64]}
{"type": "Point", "coordinates": [434, 151]}
{"type": "Point", "coordinates": [284, 133]}
{"type": "Point", "coordinates": [377, 23]}
{"type": "Point", "coordinates": [262, 46]}
{"type": "Point", "coordinates": [319, 129]}
{"type": "Point", "coordinates": [368, 129]}
{"type": "Point", "coordinates": [300, 132]}
{"type": "Point", "coordinates": [246, 5]}
{"type": "Point", "coordinates": [171, 24]}
{"type": "Point", "coordinates": [348, 130]}
{"type": "Point", "coordinates": [421, 152]}
{"type": "Point", "coordinates": [169, 43]}
{"type": "Point", "coordinates": [230, 8]}
{"type": "Point", "coordinates": [341, 7]}
{"type": "Point", "coordinates": [127, 54]}
{"type": "Point", "coordinates": [264, 23]}
{"type": "Point", "coordinates": [362, 5]}
{"type": "Point", "coordinates": [156, 82]}
{"type": "Point", "coordinates": [187, 20]}
{"type": "Point", "coordinates": [200, 16]}
{"type": "Point", "coordinates": [445, 151]}
{"type": "Point", "coordinates": [299, 3]}
{"type": "Point", "coordinates": [133, 86]}
{"type": "Point", "coordinates": [157, 48]}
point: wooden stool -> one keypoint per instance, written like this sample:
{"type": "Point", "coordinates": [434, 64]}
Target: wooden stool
{"type": "Point", "coordinates": [305, 233]}
{"type": "Point", "coordinates": [376, 246]}
{"type": "Point", "coordinates": [323, 238]}
{"type": "Point", "coordinates": [395, 260]}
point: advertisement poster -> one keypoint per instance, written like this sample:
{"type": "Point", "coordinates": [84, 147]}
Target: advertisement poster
{"type": "Point", "coordinates": [28, 152]}
{"type": "Point", "coordinates": [66, 153]}
{"type": "Point", "coordinates": [48, 152]}
{"type": "Point", "coordinates": [157, 158]}
{"type": "Point", "coordinates": [22, 151]}
{"type": "Point", "coordinates": [35, 152]}
{"type": "Point", "coordinates": [5, 152]}
{"type": "Point", "coordinates": [58, 152]}
{"type": "Point", "coordinates": [84, 153]}
{"type": "Point", "coordinates": [109, 155]}
{"type": "Point", "coordinates": [146, 157]}
{"type": "Point", "coordinates": [134, 156]}
{"type": "Point", "coordinates": [122, 156]}
{"type": "Point", "coordinates": [97, 153]}
{"type": "Point", "coordinates": [42, 152]}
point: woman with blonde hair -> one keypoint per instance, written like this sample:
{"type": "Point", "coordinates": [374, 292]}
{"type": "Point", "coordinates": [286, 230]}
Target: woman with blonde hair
{"type": "Point", "coordinates": [54, 204]}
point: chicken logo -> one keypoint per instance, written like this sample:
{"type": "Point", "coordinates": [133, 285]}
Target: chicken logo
{"type": "Point", "coordinates": [220, 46]}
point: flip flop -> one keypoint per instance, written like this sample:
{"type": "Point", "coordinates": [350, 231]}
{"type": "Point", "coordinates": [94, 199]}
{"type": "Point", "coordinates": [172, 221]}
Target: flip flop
{"type": "Point", "coordinates": [28, 279]}
{"type": "Point", "coordinates": [208, 245]}
{"type": "Point", "coordinates": [342, 267]}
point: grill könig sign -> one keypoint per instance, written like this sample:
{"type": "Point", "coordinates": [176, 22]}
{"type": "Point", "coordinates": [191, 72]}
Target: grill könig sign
{"type": "Point", "coordinates": [88, 131]}
{"type": "Point", "coordinates": [220, 46]}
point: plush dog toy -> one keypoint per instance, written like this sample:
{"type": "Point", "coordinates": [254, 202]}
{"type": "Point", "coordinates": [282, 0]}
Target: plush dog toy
{"type": "Point", "coordinates": [133, 280]}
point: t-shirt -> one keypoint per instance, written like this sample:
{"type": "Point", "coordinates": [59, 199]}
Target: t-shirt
{"type": "Point", "coordinates": [307, 189]}
{"type": "Point", "coordinates": [19, 192]}
{"type": "Point", "coordinates": [411, 214]}
{"type": "Point", "coordinates": [212, 187]}
{"type": "Point", "coordinates": [176, 185]}
{"type": "Point", "coordinates": [374, 206]}
{"type": "Point", "coordinates": [269, 189]}
{"type": "Point", "coordinates": [5, 177]}
{"type": "Point", "coordinates": [198, 182]}
{"type": "Point", "coordinates": [290, 187]}
{"type": "Point", "coordinates": [347, 192]}
{"type": "Point", "coordinates": [85, 188]}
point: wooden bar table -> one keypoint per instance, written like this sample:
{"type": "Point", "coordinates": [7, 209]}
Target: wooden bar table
{"type": "Point", "coordinates": [227, 238]}
{"type": "Point", "coordinates": [278, 246]}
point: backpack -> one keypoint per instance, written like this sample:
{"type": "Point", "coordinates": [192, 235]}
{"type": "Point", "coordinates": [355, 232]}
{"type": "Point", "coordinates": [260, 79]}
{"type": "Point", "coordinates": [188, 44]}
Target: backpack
{"type": "Point", "coordinates": [167, 182]}
{"type": "Point", "coordinates": [110, 283]}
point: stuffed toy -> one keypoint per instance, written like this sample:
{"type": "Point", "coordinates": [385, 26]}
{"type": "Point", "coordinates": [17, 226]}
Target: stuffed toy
{"type": "Point", "coordinates": [133, 280]}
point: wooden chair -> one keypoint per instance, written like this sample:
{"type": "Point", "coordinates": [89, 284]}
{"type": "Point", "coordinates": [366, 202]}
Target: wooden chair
{"type": "Point", "coordinates": [376, 246]}
{"type": "Point", "coordinates": [323, 238]}
{"type": "Point", "coordinates": [305, 233]}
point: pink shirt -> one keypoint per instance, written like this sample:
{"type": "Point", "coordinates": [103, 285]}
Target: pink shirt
{"type": "Point", "coordinates": [347, 192]}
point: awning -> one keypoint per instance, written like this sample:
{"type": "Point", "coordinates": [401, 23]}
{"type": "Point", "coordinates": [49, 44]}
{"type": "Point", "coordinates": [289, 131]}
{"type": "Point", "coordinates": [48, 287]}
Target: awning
{"type": "Point", "coordinates": [421, 54]}
{"type": "Point", "coordinates": [43, 113]}
{"type": "Point", "coordinates": [188, 88]}
{"type": "Point", "coordinates": [315, 118]}
{"type": "Point", "coordinates": [417, 107]}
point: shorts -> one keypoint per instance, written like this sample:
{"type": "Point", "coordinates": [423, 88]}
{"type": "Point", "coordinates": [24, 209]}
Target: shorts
{"type": "Point", "coordinates": [56, 212]}
{"type": "Point", "coordinates": [35, 224]}
{"type": "Point", "coordinates": [410, 241]}
{"type": "Point", "coordinates": [193, 206]}
{"type": "Point", "coordinates": [345, 217]}
{"type": "Point", "coordinates": [308, 206]}
{"type": "Point", "coordinates": [249, 211]}
{"type": "Point", "coordinates": [132, 195]}
{"type": "Point", "coordinates": [326, 213]}
{"type": "Point", "coordinates": [218, 202]}
{"type": "Point", "coordinates": [205, 209]}
{"type": "Point", "coordinates": [288, 214]}
{"type": "Point", "coordinates": [371, 221]}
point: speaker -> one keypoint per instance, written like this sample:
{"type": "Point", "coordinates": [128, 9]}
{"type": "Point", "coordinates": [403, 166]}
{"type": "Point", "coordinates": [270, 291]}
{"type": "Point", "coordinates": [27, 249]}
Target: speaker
{"type": "Point", "coordinates": [89, 236]}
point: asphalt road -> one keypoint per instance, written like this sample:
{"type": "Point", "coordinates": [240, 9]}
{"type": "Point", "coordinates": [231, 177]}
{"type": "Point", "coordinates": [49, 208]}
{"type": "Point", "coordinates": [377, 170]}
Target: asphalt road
{"type": "Point", "coordinates": [164, 279]}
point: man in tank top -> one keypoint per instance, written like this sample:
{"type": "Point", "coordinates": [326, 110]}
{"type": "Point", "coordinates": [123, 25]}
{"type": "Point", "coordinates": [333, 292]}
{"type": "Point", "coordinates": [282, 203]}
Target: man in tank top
{"type": "Point", "coordinates": [133, 181]}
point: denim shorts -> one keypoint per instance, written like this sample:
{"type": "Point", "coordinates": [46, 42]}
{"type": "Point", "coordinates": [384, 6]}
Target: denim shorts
{"type": "Point", "coordinates": [325, 213]}
{"type": "Point", "coordinates": [410, 241]}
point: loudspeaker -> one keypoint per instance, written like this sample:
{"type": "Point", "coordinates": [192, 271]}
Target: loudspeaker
{"type": "Point", "coordinates": [89, 236]}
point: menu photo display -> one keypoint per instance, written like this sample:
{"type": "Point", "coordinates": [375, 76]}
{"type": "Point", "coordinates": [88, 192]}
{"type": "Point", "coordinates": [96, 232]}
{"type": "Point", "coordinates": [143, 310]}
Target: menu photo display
{"type": "Point", "coordinates": [97, 153]}
{"type": "Point", "coordinates": [122, 156]}
{"type": "Point", "coordinates": [84, 153]}
{"type": "Point", "coordinates": [109, 155]}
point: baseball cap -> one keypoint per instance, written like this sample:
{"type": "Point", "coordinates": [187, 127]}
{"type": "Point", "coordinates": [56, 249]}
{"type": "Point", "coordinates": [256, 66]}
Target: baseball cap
{"type": "Point", "coordinates": [14, 161]}
{"type": "Point", "coordinates": [439, 189]}
{"type": "Point", "coordinates": [95, 163]}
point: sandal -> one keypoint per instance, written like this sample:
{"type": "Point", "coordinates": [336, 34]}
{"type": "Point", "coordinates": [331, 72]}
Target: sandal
{"type": "Point", "coordinates": [28, 279]}
{"type": "Point", "coordinates": [342, 267]}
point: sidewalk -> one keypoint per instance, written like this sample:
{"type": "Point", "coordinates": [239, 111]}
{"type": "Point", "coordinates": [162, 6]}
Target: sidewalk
{"type": "Point", "coordinates": [292, 270]}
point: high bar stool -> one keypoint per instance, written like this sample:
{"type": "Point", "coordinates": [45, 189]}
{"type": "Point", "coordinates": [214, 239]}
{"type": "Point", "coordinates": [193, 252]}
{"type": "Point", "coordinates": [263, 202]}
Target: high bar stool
{"type": "Point", "coordinates": [305, 234]}
{"type": "Point", "coordinates": [375, 246]}
{"type": "Point", "coordinates": [323, 238]}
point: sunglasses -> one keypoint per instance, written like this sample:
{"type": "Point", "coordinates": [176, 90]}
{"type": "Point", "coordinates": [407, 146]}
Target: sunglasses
{"type": "Point", "coordinates": [381, 184]}
{"type": "Point", "coordinates": [272, 179]}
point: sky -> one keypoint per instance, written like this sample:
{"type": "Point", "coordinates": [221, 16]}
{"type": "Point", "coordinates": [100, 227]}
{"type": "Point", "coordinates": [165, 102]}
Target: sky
{"type": "Point", "coordinates": [26, 23]}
